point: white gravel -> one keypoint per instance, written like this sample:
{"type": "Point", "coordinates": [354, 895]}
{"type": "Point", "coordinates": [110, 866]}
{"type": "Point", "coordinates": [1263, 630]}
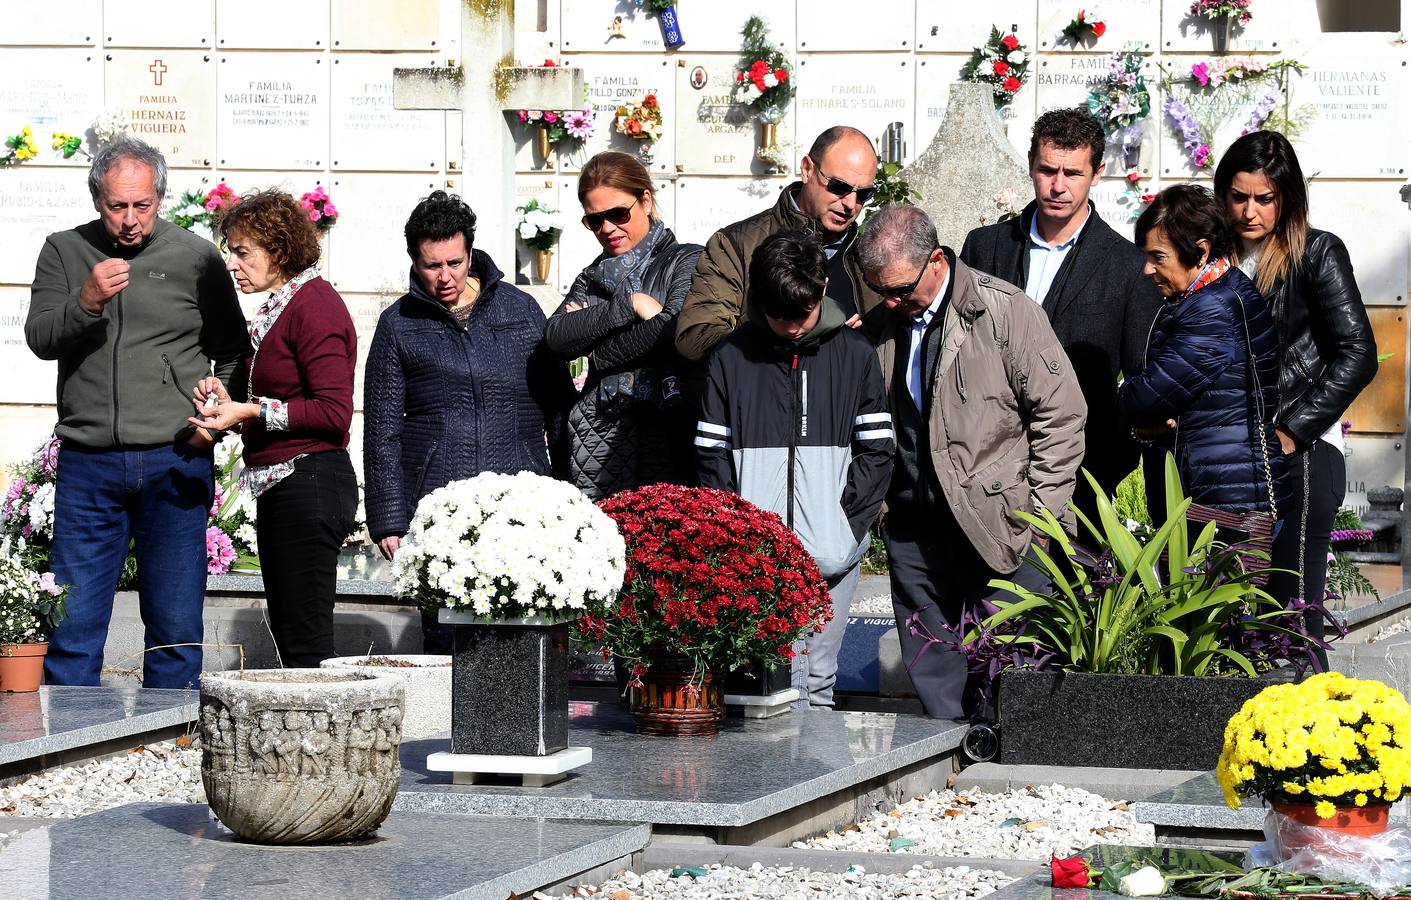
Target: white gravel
{"type": "Point", "coordinates": [874, 605]}
{"type": "Point", "coordinates": [1023, 823]}
{"type": "Point", "coordinates": [760, 882]}
{"type": "Point", "coordinates": [1400, 626]}
{"type": "Point", "coordinates": [157, 773]}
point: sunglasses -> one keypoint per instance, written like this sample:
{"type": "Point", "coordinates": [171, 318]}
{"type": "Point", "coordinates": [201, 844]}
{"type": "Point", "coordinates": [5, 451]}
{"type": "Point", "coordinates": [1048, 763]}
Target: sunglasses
{"type": "Point", "coordinates": [900, 292]}
{"type": "Point", "coordinates": [618, 215]}
{"type": "Point", "coordinates": [840, 188]}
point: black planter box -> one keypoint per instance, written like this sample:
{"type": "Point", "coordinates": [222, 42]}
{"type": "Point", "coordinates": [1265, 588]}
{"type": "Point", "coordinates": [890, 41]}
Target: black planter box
{"type": "Point", "coordinates": [759, 679]}
{"type": "Point", "coordinates": [1119, 721]}
{"type": "Point", "coordinates": [509, 689]}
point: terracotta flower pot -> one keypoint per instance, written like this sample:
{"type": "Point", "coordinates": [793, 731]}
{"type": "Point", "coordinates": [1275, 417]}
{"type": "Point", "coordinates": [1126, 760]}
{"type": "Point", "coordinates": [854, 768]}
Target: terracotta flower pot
{"type": "Point", "coordinates": [668, 704]}
{"type": "Point", "coordinates": [22, 667]}
{"type": "Point", "coordinates": [1360, 821]}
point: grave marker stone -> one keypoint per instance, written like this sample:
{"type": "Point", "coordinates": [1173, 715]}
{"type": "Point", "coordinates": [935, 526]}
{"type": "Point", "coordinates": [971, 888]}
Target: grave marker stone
{"type": "Point", "coordinates": [961, 27]}
{"type": "Point", "coordinates": [838, 25]}
{"type": "Point", "coordinates": [34, 203]}
{"type": "Point", "coordinates": [51, 90]}
{"type": "Point", "coordinates": [73, 23]}
{"type": "Point", "coordinates": [377, 25]}
{"type": "Point", "coordinates": [1356, 112]}
{"type": "Point", "coordinates": [246, 25]}
{"type": "Point", "coordinates": [169, 96]}
{"type": "Point", "coordinates": [615, 81]}
{"type": "Point", "coordinates": [158, 23]}
{"type": "Point", "coordinates": [967, 164]}
{"type": "Point", "coordinates": [260, 94]}
{"type": "Point", "coordinates": [368, 132]}
{"type": "Point", "coordinates": [866, 91]}
{"type": "Point", "coordinates": [29, 379]}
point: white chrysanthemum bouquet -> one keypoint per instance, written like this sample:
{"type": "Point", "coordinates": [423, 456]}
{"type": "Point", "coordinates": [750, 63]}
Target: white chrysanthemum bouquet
{"type": "Point", "coordinates": [509, 547]}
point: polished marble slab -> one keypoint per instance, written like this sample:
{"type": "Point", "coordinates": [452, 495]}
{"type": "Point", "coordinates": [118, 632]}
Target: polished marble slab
{"type": "Point", "coordinates": [57, 719]}
{"type": "Point", "coordinates": [752, 769]}
{"type": "Point", "coordinates": [1199, 803]}
{"type": "Point", "coordinates": [180, 850]}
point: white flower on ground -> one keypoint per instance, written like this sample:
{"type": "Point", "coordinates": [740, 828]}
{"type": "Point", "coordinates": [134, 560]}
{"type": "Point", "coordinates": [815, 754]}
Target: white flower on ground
{"type": "Point", "coordinates": [1144, 882]}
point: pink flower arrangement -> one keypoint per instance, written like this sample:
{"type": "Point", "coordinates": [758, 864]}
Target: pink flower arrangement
{"type": "Point", "coordinates": [321, 210]}
{"type": "Point", "coordinates": [220, 552]}
{"type": "Point", "coordinates": [222, 196]}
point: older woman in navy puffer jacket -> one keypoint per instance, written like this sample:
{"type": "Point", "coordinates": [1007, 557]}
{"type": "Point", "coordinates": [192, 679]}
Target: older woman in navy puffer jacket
{"type": "Point", "coordinates": [1198, 393]}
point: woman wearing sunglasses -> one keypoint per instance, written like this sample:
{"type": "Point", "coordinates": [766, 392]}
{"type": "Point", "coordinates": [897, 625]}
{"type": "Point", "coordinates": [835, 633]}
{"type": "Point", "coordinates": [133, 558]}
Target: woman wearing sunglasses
{"type": "Point", "coordinates": [631, 426]}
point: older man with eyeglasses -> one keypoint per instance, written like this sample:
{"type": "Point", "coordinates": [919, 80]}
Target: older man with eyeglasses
{"type": "Point", "coordinates": [988, 419]}
{"type": "Point", "coordinates": [836, 179]}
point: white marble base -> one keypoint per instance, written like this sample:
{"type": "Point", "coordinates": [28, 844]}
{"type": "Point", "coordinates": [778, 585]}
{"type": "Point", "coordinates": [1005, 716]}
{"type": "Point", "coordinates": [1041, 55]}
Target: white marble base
{"type": "Point", "coordinates": [535, 771]}
{"type": "Point", "coordinates": [763, 706]}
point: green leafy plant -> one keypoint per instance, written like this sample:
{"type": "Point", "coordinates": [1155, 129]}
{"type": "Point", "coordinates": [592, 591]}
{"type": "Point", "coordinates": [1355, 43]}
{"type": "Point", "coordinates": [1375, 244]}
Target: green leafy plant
{"type": "Point", "coordinates": [1162, 607]}
{"type": "Point", "coordinates": [891, 188]}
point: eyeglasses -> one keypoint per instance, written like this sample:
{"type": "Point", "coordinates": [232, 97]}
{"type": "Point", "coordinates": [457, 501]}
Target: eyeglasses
{"type": "Point", "coordinates": [618, 215]}
{"type": "Point", "coordinates": [840, 188]}
{"type": "Point", "coordinates": [900, 292]}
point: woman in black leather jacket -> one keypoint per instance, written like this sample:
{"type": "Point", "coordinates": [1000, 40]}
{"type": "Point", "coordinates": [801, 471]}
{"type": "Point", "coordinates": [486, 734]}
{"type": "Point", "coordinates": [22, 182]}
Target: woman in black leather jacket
{"type": "Point", "coordinates": [1328, 351]}
{"type": "Point", "coordinates": [632, 425]}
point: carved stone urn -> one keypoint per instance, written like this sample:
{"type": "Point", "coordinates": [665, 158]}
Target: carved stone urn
{"type": "Point", "coordinates": [300, 756]}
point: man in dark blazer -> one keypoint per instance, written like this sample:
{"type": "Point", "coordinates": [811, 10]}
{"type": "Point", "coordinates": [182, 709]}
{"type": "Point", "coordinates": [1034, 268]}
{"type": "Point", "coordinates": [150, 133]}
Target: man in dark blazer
{"type": "Point", "coordinates": [1086, 276]}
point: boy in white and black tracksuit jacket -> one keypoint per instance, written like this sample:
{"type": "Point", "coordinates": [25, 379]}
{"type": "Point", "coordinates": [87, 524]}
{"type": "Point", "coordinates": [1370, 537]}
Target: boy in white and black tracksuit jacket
{"type": "Point", "coordinates": [794, 419]}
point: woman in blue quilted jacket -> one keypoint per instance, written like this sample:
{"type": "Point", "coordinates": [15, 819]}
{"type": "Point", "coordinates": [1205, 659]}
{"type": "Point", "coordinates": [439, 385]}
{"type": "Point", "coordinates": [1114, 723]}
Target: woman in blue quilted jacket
{"type": "Point", "coordinates": [1208, 390]}
{"type": "Point", "coordinates": [458, 381]}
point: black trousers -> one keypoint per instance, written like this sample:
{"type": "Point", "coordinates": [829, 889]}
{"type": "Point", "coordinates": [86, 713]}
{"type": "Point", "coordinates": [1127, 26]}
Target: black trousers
{"type": "Point", "coordinates": [1318, 472]}
{"type": "Point", "coordinates": [936, 577]}
{"type": "Point", "coordinates": [301, 523]}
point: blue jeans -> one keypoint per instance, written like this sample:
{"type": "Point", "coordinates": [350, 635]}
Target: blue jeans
{"type": "Point", "coordinates": [159, 497]}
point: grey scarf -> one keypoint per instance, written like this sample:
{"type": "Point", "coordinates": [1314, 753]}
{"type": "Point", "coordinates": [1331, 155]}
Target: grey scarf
{"type": "Point", "coordinates": [625, 272]}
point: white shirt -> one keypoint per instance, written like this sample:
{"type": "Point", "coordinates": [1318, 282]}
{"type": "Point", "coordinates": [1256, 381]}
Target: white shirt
{"type": "Point", "coordinates": [1046, 259]}
{"type": "Point", "coordinates": [918, 339]}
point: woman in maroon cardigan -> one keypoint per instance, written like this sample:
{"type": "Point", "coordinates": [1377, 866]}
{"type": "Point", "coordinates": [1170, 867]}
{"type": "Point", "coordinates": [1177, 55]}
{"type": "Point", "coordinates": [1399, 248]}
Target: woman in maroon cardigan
{"type": "Point", "coordinates": [295, 425]}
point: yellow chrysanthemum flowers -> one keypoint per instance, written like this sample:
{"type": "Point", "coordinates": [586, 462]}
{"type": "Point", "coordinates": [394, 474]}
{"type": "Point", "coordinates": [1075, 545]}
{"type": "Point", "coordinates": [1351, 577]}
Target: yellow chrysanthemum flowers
{"type": "Point", "coordinates": [1331, 740]}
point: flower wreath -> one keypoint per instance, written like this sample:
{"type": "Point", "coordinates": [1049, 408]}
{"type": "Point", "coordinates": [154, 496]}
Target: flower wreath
{"type": "Point", "coordinates": [1196, 131]}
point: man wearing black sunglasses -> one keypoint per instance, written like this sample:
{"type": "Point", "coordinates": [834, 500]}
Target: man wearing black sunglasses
{"type": "Point", "coordinates": [836, 179]}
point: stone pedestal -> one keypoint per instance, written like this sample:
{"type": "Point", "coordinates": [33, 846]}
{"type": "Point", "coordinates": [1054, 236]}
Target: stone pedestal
{"type": "Point", "coordinates": [509, 685]}
{"type": "Point", "coordinates": [761, 691]}
{"type": "Point", "coordinates": [967, 164]}
{"type": "Point", "coordinates": [427, 679]}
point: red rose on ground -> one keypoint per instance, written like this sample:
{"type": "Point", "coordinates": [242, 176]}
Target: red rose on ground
{"type": "Point", "coordinates": [1010, 42]}
{"type": "Point", "coordinates": [1001, 67]}
{"type": "Point", "coordinates": [1099, 28]}
{"type": "Point", "coordinates": [1012, 84]}
{"type": "Point", "coordinates": [1070, 873]}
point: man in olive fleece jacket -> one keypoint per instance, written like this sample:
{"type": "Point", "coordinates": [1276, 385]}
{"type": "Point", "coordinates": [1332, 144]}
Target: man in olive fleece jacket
{"type": "Point", "coordinates": [135, 310]}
